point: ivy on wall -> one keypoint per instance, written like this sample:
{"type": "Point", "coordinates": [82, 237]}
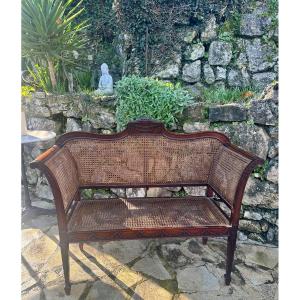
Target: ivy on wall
{"type": "Point", "coordinates": [102, 21]}
{"type": "Point", "coordinates": [102, 34]}
{"type": "Point", "coordinates": [150, 25]}
{"type": "Point", "coordinates": [154, 26]}
{"type": "Point", "coordinates": [137, 36]}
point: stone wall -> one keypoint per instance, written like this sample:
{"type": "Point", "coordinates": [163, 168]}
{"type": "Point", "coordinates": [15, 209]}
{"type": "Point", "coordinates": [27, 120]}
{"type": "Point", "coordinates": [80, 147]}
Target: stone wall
{"type": "Point", "coordinates": [218, 44]}
{"type": "Point", "coordinates": [252, 126]}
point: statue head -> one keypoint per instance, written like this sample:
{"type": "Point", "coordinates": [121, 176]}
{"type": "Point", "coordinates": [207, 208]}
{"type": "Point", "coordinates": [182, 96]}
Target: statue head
{"type": "Point", "coordinates": [104, 69]}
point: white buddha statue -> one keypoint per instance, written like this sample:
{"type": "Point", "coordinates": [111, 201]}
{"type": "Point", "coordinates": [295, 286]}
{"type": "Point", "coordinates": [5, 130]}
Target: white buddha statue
{"type": "Point", "coordinates": [105, 86]}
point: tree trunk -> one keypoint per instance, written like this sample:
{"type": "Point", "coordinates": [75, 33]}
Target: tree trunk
{"type": "Point", "coordinates": [70, 82]}
{"type": "Point", "coordinates": [146, 51]}
{"type": "Point", "coordinates": [52, 73]}
{"type": "Point", "coordinates": [69, 77]}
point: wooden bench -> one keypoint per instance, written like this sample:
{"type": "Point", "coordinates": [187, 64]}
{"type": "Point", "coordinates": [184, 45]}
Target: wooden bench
{"type": "Point", "coordinates": [145, 154]}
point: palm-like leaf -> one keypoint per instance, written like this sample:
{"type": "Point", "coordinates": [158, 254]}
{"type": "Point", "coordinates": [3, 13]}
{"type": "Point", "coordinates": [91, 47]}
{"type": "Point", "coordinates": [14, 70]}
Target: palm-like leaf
{"type": "Point", "coordinates": [46, 27]}
{"type": "Point", "coordinates": [48, 30]}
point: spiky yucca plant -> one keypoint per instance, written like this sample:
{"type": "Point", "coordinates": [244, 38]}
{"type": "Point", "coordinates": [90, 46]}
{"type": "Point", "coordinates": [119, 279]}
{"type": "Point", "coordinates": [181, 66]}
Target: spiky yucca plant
{"type": "Point", "coordinates": [49, 33]}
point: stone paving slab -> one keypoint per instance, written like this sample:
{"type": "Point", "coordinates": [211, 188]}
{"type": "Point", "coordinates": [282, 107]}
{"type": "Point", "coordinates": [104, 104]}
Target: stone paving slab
{"type": "Point", "coordinates": [153, 267]}
{"type": "Point", "coordinates": [149, 290]}
{"type": "Point", "coordinates": [157, 269]}
{"type": "Point", "coordinates": [254, 276]}
{"type": "Point", "coordinates": [197, 279]}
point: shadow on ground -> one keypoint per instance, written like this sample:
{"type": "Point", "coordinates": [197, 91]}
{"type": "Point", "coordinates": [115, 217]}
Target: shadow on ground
{"type": "Point", "coordinates": [156, 269]}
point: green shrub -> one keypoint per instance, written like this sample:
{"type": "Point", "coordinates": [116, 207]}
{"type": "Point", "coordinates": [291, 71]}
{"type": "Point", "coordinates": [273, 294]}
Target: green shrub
{"type": "Point", "coordinates": [215, 95]}
{"type": "Point", "coordinates": [143, 97]}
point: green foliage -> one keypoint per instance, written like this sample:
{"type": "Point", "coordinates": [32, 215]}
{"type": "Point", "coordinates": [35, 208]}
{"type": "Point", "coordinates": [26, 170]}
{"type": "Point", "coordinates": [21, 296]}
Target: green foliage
{"type": "Point", "coordinates": [181, 193]}
{"type": "Point", "coordinates": [250, 122]}
{"type": "Point", "coordinates": [83, 80]}
{"type": "Point", "coordinates": [103, 37]}
{"type": "Point", "coordinates": [226, 36]}
{"type": "Point", "coordinates": [260, 171]}
{"type": "Point", "coordinates": [102, 21]}
{"type": "Point", "coordinates": [106, 52]}
{"type": "Point", "coordinates": [215, 125]}
{"type": "Point", "coordinates": [87, 194]}
{"type": "Point", "coordinates": [230, 28]}
{"type": "Point", "coordinates": [142, 97]}
{"type": "Point", "coordinates": [273, 12]}
{"type": "Point", "coordinates": [49, 35]}
{"type": "Point", "coordinates": [151, 25]}
{"type": "Point", "coordinates": [102, 34]}
{"type": "Point", "coordinates": [213, 95]}
{"type": "Point", "coordinates": [48, 30]}
{"type": "Point", "coordinates": [41, 78]}
{"type": "Point", "coordinates": [205, 112]}
{"type": "Point", "coordinates": [26, 90]}
{"type": "Point", "coordinates": [229, 31]}
{"type": "Point", "coordinates": [273, 7]}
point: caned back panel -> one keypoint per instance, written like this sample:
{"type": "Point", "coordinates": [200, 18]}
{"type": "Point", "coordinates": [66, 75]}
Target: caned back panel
{"type": "Point", "coordinates": [143, 160]}
{"type": "Point", "coordinates": [226, 171]}
{"type": "Point", "coordinates": [63, 167]}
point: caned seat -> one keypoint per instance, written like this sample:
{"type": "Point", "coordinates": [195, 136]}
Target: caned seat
{"type": "Point", "coordinates": [145, 213]}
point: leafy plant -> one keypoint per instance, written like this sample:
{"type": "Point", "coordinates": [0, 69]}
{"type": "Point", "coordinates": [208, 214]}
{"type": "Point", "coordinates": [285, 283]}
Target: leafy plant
{"type": "Point", "coordinates": [49, 35]}
{"type": "Point", "coordinates": [26, 90]}
{"type": "Point", "coordinates": [226, 36]}
{"type": "Point", "coordinates": [260, 171]}
{"type": "Point", "coordinates": [87, 194]}
{"type": "Point", "coordinates": [229, 31]}
{"type": "Point", "coordinates": [83, 80]}
{"type": "Point", "coordinates": [143, 97]}
{"type": "Point", "coordinates": [181, 193]}
{"type": "Point", "coordinates": [101, 15]}
{"type": "Point", "coordinates": [273, 12]}
{"type": "Point", "coordinates": [273, 7]}
{"type": "Point", "coordinates": [213, 95]}
{"type": "Point", "coordinates": [151, 26]}
{"type": "Point", "coordinates": [231, 26]}
{"type": "Point", "coordinates": [41, 77]}
{"type": "Point", "coordinates": [103, 38]}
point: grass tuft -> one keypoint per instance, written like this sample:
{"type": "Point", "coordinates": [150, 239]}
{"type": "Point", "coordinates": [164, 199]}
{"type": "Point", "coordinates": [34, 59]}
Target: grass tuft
{"type": "Point", "coordinates": [214, 95]}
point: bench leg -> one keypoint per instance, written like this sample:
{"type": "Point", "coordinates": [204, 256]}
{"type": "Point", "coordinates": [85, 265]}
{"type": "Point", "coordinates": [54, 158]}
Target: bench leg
{"type": "Point", "coordinates": [64, 247]}
{"type": "Point", "coordinates": [231, 243]}
{"type": "Point", "coordinates": [81, 246]}
{"type": "Point", "coordinates": [209, 192]}
{"type": "Point", "coordinates": [204, 240]}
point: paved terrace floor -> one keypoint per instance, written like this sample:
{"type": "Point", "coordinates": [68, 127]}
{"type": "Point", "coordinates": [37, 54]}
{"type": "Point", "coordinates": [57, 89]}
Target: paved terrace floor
{"type": "Point", "coordinates": [156, 269]}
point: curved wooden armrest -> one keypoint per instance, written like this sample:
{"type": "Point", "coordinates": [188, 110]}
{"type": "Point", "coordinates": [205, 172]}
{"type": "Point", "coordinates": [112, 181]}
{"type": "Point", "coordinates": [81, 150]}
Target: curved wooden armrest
{"type": "Point", "coordinates": [60, 169]}
{"type": "Point", "coordinates": [229, 174]}
{"type": "Point", "coordinates": [43, 157]}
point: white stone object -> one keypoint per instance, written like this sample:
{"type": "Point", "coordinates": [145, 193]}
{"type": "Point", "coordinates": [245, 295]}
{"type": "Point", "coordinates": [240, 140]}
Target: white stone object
{"type": "Point", "coordinates": [105, 86]}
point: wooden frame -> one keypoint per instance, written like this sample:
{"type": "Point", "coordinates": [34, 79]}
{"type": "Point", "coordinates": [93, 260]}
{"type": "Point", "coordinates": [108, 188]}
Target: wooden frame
{"type": "Point", "coordinates": [144, 127]}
